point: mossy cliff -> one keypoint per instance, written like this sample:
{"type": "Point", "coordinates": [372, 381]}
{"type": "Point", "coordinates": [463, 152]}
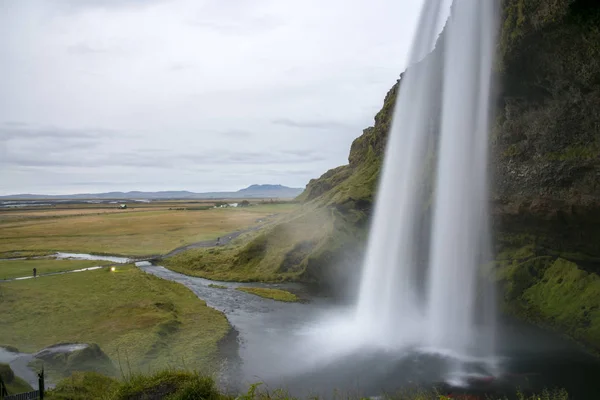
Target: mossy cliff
{"type": "Point", "coordinates": [546, 164]}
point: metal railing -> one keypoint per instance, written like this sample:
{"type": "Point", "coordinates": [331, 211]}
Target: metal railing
{"type": "Point", "coordinates": [32, 395]}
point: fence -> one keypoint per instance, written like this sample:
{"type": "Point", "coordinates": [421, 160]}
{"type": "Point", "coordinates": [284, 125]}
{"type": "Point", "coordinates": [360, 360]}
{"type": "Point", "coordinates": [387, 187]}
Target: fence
{"type": "Point", "coordinates": [33, 395]}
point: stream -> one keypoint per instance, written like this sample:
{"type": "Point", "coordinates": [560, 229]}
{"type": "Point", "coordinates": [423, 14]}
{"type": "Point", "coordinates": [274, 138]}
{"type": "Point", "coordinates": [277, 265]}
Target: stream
{"type": "Point", "coordinates": [309, 349]}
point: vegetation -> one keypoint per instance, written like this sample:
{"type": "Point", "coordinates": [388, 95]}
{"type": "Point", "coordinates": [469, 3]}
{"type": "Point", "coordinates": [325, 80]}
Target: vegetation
{"type": "Point", "coordinates": [19, 268]}
{"type": "Point", "coordinates": [13, 383]}
{"type": "Point", "coordinates": [128, 232]}
{"type": "Point", "coordinates": [226, 263]}
{"type": "Point", "coordinates": [552, 291]}
{"type": "Point", "coordinates": [183, 385]}
{"type": "Point", "coordinates": [215, 286]}
{"type": "Point", "coordinates": [275, 294]}
{"type": "Point", "coordinates": [139, 320]}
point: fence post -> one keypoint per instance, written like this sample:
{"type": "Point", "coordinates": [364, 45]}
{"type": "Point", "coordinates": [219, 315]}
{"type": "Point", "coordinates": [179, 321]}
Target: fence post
{"type": "Point", "coordinates": [41, 384]}
{"type": "Point", "coordinates": [3, 391]}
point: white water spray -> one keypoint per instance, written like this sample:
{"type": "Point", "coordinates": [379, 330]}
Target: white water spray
{"type": "Point", "coordinates": [444, 97]}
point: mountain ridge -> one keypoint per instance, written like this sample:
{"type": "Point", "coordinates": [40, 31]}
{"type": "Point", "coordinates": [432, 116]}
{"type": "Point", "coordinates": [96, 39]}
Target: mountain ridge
{"type": "Point", "coordinates": [252, 191]}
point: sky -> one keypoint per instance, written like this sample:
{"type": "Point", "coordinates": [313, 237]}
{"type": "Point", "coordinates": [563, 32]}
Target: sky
{"type": "Point", "coordinates": [199, 95]}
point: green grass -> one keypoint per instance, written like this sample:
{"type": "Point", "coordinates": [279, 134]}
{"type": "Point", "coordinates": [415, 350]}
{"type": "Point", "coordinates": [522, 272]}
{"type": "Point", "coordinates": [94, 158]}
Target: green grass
{"type": "Point", "coordinates": [185, 385]}
{"type": "Point", "coordinates": [24, 253]}
{"type": "Point", "coordinates": [275, 294]}
{"type": "Point", "coordinates": [224, 263]}
{"type": "Point", "coordinates": [84, 386]}
{"type": "Point", "coordinates": [568, 297]}
{"type": "Point", "coordinates": [279, 252]}
{"type": "Point", "coordinates": [130, 232]}
{"type": "Point", "coordinates": [551, 291]}
{"type": "Point", "coordinates": [18, 268]}
{"type": "Point", "coordinates": [138, 319]}
{"type": "Point", "coordinates": [165, 384]}
{"type": "Point", "coordinates": [212, 285]}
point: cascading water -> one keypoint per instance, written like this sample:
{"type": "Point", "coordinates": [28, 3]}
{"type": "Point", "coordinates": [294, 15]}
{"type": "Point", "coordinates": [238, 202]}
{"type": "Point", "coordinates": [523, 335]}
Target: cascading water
{"type": "Point", "coordinates": [444, 98]}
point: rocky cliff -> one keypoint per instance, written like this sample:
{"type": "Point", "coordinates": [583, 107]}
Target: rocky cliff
{"type": "Point", "coordinates": [546, 164]}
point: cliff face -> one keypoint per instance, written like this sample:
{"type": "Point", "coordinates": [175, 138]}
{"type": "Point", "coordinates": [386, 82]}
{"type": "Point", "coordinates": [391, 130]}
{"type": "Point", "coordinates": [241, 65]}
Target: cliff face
{"type": "Point", "coordinates": [546, 164]}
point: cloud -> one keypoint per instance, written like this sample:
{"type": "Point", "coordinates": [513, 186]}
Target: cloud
{"type": "Point", "coordinates": [236, 133]}
{"type": "Point", "coordinates": [84, 49]}
{"type": "Point", "coordinates": [15, 124]}
{"type": "Point", "coordinates": [179, 67]}
{"type": "Point", "coordinates": [81, 5]}
{"type": "Point", "coordinates": [232, 27]}
{"type": "Point", "coordinates": [151, 158]}
{"type": "Point", "coordinates": [311, 124]}
{"type": "Point", "coordinates": [253, 158]}
{"type": "Point", "coordinates": [23, 131]}
{"type": "Point", "coordinates": [199, 95]}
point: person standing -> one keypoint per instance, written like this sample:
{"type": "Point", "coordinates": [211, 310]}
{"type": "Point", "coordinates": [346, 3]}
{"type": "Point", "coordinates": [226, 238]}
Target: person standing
{"type": "Point", "coordinates": [34, 272]}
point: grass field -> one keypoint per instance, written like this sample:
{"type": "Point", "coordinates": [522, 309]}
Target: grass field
{"type": "Point", "coordinates": [132, 232]}
{"type": "Point", "coordinates": [141, 320]}
{"type": "Point", "coordinates": [18, 268]}
{"type": "Point", "coordinates": [275, 294]}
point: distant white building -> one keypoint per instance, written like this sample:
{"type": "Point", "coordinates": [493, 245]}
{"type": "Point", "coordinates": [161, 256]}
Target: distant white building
{"type": "Point", "coordinates": [233, 204]}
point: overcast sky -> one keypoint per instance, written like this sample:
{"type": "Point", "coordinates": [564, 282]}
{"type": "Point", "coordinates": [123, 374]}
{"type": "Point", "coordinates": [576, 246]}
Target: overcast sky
{"type": "Point", "coordinates": [101, 95]}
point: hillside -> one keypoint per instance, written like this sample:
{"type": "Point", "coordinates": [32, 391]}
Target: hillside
{"type": "Point", "coordinates": [545, 165]}
{"type": "Point", "coordinates": [253, 191]}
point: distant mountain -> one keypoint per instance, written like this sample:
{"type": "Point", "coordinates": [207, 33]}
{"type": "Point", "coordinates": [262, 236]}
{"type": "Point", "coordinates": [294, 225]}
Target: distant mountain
{"type": "Point", "coordinates": [253, 191]}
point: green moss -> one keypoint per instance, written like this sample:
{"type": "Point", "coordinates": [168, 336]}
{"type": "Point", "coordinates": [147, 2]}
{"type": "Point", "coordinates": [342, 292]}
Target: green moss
{"type": "Point", "coordinates": [569, 298]}
{"type": "Point", "coordinates": [518, 277]}
{"type": "Point", "coordinates": [512, 151]}
{"type": "Point", "coordinates": [516, 254]}
{"type": "Point", "coordinates": [275, 294]}
{"type": "Point", "coordinates": [576, 152]}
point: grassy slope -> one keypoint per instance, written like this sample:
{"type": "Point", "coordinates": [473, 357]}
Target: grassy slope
{"type": "Point", "coordinates": [255, 256]}
{"type": "Point", "coordinates": [18, 268]}
{"type": "Point", "coordinates": [275, 294]}
{"type": "Point", "coordinates": [130, 314]}
{"type": "Point", "coordinates": [129, 233]}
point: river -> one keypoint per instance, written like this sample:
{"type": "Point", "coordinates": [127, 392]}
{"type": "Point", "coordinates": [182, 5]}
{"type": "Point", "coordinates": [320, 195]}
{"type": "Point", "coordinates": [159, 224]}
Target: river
{"type": "Point", "coordinates": [300, 347]}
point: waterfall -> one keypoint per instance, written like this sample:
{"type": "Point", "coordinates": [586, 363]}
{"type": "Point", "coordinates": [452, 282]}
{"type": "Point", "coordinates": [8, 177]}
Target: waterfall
{"type": "Point", "coordinates": [441, 301]}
